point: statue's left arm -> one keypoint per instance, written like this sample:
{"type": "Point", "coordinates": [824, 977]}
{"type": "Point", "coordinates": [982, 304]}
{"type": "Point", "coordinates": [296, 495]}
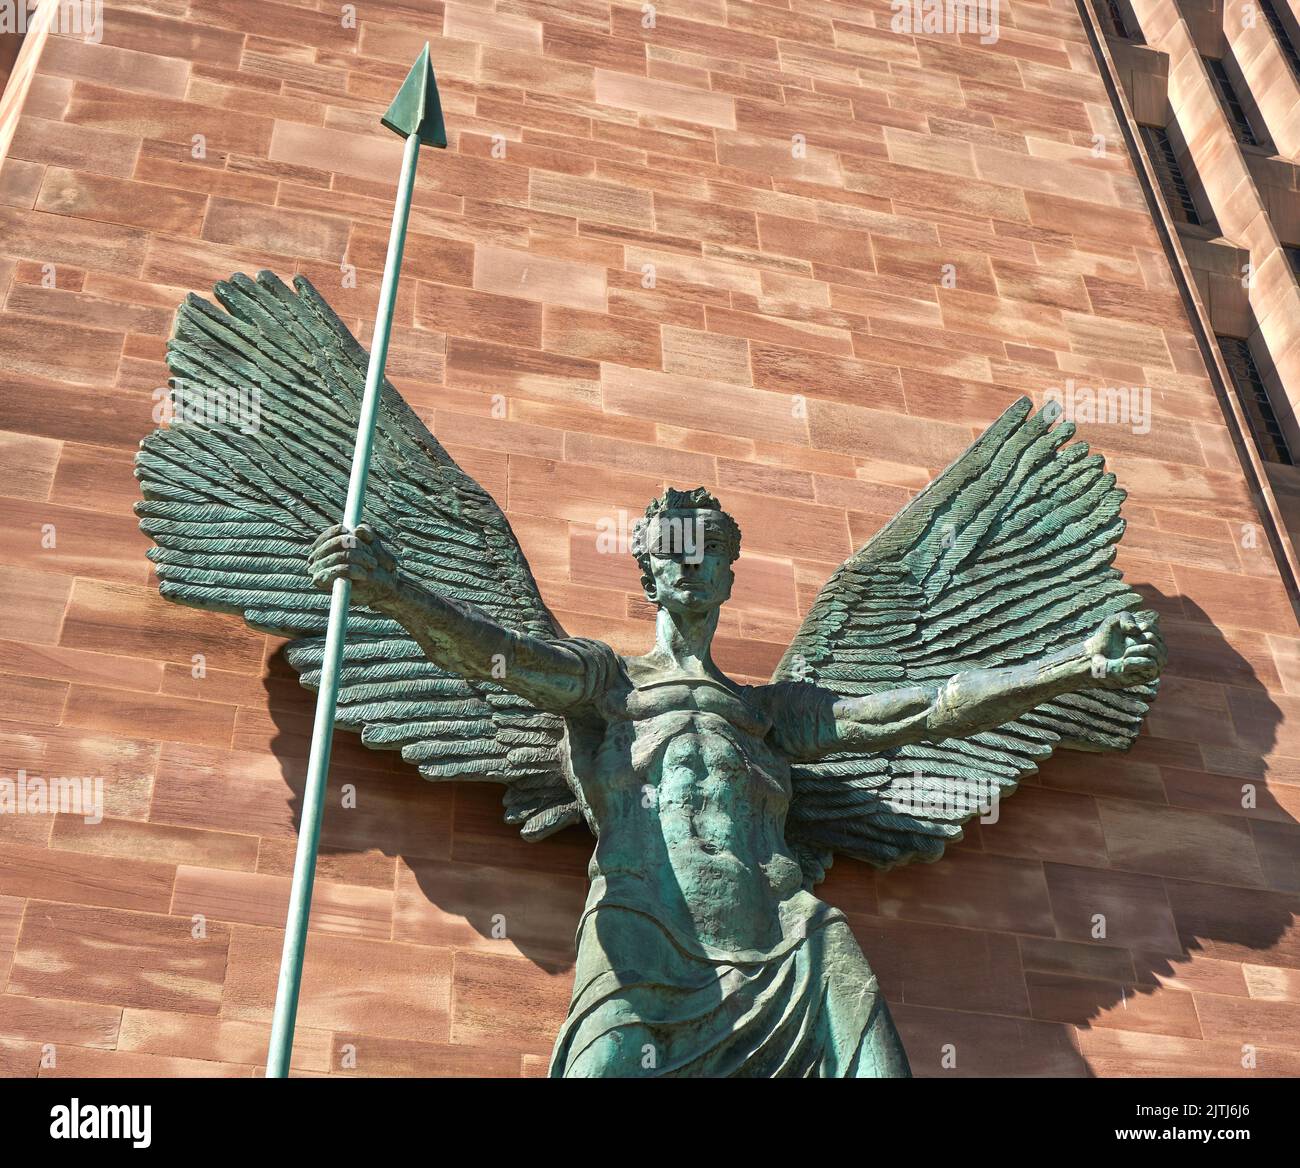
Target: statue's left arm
{"type": "Point", "coordinates": [1126, 650]}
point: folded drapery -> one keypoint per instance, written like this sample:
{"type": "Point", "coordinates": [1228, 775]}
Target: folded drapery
{"type": "Point", "coordinates": [644, 1006]}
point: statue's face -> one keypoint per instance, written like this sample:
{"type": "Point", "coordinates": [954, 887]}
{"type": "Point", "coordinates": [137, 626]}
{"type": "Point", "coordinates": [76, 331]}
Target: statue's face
{"type": "Point", "coordinates": [690, 562]}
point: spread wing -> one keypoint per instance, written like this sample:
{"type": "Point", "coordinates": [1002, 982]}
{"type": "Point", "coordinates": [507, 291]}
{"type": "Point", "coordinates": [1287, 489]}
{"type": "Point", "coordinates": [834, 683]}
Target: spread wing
{"type": "Point", "coordinates": [1005, 557]}
{"type": "Point", "coordinates": [233, 506]}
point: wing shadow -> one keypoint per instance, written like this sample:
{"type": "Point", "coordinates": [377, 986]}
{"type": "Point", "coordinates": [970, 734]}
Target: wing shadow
{"type": "Point", "coordinates": [479, 887]}
{"type": "Point", "coordinates": [1191, 885]}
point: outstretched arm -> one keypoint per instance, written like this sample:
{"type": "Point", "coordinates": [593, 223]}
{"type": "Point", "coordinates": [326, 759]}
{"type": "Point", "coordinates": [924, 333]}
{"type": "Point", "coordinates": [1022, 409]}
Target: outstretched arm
{"type": "Point", "coordinates": [1126, 650]}
{"type": "Point", "coordinates": [457, 636]}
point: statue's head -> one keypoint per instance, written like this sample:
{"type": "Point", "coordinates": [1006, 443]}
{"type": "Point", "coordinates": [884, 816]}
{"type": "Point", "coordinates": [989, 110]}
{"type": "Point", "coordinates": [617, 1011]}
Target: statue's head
{"type": "Point", "coordinates": [686, 545]}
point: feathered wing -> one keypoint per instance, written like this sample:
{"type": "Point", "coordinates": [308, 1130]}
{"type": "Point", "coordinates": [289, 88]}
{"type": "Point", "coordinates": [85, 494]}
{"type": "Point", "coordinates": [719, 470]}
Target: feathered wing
{"type": "Point", "coordinates": [234, 510]}
{"type": "Point", "coordinates": [1005, 557]}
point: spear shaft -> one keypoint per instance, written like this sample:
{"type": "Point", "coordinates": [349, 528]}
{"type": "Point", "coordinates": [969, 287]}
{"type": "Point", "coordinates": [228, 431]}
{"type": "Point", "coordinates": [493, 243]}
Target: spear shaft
{"type": "Point", "coordinates": [416, 113]}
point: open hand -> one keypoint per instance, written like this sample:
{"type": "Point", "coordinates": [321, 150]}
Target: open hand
{"type": "Point", "coordinates": [1126, 650]}
{"type": "Point", "coordinates": [358, 556]}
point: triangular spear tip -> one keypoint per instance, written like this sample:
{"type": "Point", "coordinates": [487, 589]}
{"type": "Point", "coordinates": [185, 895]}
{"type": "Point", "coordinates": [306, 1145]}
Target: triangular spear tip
{"type": "Point", "coordinates": [416, 108]}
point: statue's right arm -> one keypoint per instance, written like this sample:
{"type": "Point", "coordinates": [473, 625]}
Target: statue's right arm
{"type": "Point", "coordinates": [457, 636]}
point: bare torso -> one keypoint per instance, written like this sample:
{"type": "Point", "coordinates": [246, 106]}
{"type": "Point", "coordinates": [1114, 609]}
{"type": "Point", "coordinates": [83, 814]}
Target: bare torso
{"type": "Point", "coordinates": [689, 804]}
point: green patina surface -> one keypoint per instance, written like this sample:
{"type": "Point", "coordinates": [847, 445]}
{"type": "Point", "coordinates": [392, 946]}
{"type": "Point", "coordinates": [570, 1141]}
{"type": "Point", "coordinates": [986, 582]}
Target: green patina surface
{"type": "Point", "coordinates": [979, 631]}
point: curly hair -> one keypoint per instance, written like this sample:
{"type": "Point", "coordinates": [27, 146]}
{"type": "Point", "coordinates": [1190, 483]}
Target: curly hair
{"type": "Point", "coordinates": [674, 500]}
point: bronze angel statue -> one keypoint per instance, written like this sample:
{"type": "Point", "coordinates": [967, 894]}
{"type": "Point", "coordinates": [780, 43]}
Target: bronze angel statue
{"type": "Point", "coordinates": [980, 630]}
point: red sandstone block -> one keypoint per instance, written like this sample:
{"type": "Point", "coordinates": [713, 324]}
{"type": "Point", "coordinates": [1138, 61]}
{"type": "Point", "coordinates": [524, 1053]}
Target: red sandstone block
{"type": "Point", "coordinates": [480, 315]}
{"type": "Point", "coordinates": [532, 277]}
{"type": "Point", "coordinates": [598, 337]}
{"type": "Point", "coordinates": [713, 406]}
{"type": "Point", "coordinates": [80, 1062]}
{"type": "Point", "coordinates": [137, 621]}
{"type": "Point", "coordinates": [930, 264]}
{"type": "Point", "coordinates": [1057, 998]}
{"type": "Point", "coordinates": [408, 998]}
{"type": "Point", "coordinates": [101, 107]}
{"type": "Point", "coordinates": [574, 42]}
{"type": "Point", "coordinates": [159, 843]}
{"type": "Point", "coordinates": [214, 685]}
{"type": "Point", "coordinates": [1242, 1020]}
{"type": "Point", "coordinates": [83, 543]}
{"type": "Point", "coordinates": [1080, 959]}
{"type": "Point", "coordinates": [37, 701]}
{"type": "Point", "coordinates": [501, 65]}
{"type": "Point", "coordinates": [931, 965]}
{"type": "Point", "coordinates": [82, 148]}
{"type": "Point", "coordinates": [668, 304]}
{"type": "Point", "coordinates": [670, 465]}
{"type": "Point", "coordinates": [1008, 320]}
{"type": "Point", "coordinates": [119, 958]}
{"type": "Point", "coordinates": [952, 1044]}
{"type": "Point", "coordinates": [248, 225]}
{"type": "Point", "coordinates": [370, 156]}
{"type": "Point", "coordinates": [691, 218]}
{"type": "Point", "coordinates": [950, 399]}
{"type": "Point", "coordinates": [1129, 908]}
{"type": "Point", "coordinates": [367, 1055]}
{"type": "Point", "coordinates": [1047, 825]}
{"type": "Point", "coordinates": [29, 462]}
{"type": "Point", "coordinates": [118, 68]}
{"type": "Point", "coordinates": [878, 434]}
{"type": "Point", "coordinates": [370, 868]}
{"type": "Point", "coordinates": [815, 242]}
{"type": "Point", "coordinates": [177, 1037]}
{"type": "Point", "coordinates": [487, 909]}
{"type": "Point", "coordinates": [1192, 971]}
{"type": "Point", "coordinates": [255, 899]}
{"type": "Point", "coordinates": [49, 1020]}
{"type": "Point", "coordinates": [1237, 924]}
{"type": "Point", "coordinates": [63, 304]}
{"type": "Point", "coordinates": [663, 98]}
{"type": "Point", "coordinates": [507, 1003]}
{"type": "Point", "coordinates": [459, 430]}
{"type": "Point", "coordinates": [74, 665]}
{"type": "Point", "coordinates": [32, 347]}
{"type": "Point", "coordinates": [149, 716]}
{"type": "Point", "coordinates": [81, 878]}
{"type": "Point", "coordinates": [794, 333]}
{"type": "Point", "coordinates": [563, 194]}
{"type": "Point", "coordinates": [19, 182]}
{"type": "Point", "coordinates": [280, 22]}
{"type": "Point", "coordinates": [1234, 600]}
{"type": "Point", "coordinates": [164, 36]}
{"type": "Point", "coordinates": [126, 765]}
{"type": "Point", "coordinates": [689, 35]}
{"type": "Point", "coordinates": [1081, 219]}
{"type": "Point", "coordinates": [970, 890]}
{"type": "Point", "coordinates": [1129, 1053]}
{"type": "Point", "coordinates": [692, 353]}
{"type": "Point", "coordinates": [1176, 842]}
{"type": "Point", "coordinates": [579, 494]}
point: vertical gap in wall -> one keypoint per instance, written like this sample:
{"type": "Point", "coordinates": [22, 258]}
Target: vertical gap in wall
{"type": "Point", "coordinates": [1244, 443]}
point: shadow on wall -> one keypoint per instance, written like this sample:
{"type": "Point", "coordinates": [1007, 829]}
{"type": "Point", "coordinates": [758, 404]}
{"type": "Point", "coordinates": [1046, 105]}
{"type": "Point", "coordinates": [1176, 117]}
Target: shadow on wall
{"type": "Point", "coordinates": [1116, 878]}
{"type": "Point", "coordinates": [465, 877]}
{"type": "Point", "coordinates": [991, 956]}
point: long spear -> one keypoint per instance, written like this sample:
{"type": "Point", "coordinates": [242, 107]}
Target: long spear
{"type": "Point", "coordinates": [416, 114]}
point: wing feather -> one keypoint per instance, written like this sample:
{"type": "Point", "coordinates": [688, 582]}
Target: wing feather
{"type": "Point", "coordinates": [233, 510]}
{"type": "Point", "coordinates": [1006, 556]}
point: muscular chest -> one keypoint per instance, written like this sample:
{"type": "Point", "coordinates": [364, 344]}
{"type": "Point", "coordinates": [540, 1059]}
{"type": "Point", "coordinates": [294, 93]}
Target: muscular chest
{"type": "Point", "coordinates": [663, 702]}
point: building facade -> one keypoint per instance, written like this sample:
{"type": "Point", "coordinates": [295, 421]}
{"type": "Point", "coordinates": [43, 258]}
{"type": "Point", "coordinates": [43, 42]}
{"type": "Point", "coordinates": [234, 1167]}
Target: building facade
{"type": "Point", "coordinates": [800, 253]}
